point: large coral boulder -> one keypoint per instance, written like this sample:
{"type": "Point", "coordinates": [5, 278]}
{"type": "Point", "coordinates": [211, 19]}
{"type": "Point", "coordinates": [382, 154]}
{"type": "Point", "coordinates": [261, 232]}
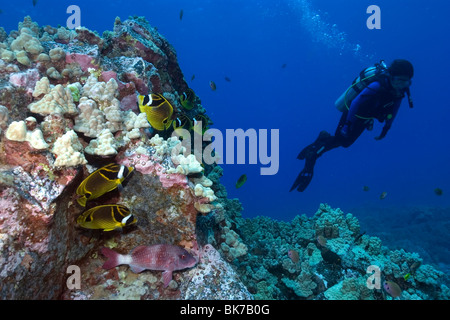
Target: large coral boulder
{"type": "Point", "coordinates": [81, 90]}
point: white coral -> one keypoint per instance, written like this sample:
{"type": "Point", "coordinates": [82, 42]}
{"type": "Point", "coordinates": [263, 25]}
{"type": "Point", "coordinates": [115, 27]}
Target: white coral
{"type": "Point", "coordinates": [56, 54]}
{"type": "Point", "coordinates": [186, 165]}
{"type": "Point", "coordinates": [164, 148]}
{"type": "Point", "coordinates": [172, 147]}
{"type": "Point", "coordinates": [22, 58]}
{"type": "Point", "coordinates": [42, 87]}
{"type": "Point", "coordinates": [100, 110]}
{"type": "Point", "coordinates": [7, 55]}
{"type": "Point", "coordinates": [36, 139]}
{"type": "Point", "coordinates": [68, 150]}
{"type": "Point", "coordinates": [204, 181]}
{"type": "Point", "coordinates": [59, 100]}
{"type": "Point", "coordinates": [103, 93]}
{"type": "Point", "coordinates": [91, 121]}
{"type": "Point", "coordinates": [17, 131]}
{"type": "Point", "coordinates": [113, 115]}
{"type": "Point", "coordinates": [53, 73]}
{"type": "Point", "coordinates": [133, 121]}
{"type": "Point", "coordinates": [133, 134]}
{"type": "Point", "coordinates": [27, 42]}
{"type": "Point", "coordinates": [104, 145]}
{"type": "Point", "coordinates": [204, 192]}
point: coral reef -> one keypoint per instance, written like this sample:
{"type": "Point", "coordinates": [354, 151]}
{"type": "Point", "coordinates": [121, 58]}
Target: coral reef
{"type": "Point", "coordinates": [429, 223]}
{"type": "Point", "coordinates": [68, 107]}
{"type": "Point", "coordinates": [337, 270]}
{"type": "Point", "coordinates": [79, 89]}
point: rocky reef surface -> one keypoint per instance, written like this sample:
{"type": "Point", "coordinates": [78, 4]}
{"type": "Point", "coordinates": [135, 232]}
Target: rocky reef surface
{"type": "Point", "coordinates": [68, 105]}
{"type": "Point", "coordinates": [333, 260]}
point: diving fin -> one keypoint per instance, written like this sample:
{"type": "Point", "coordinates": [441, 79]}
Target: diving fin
{"type": "Point", "coordinates": [310, 153]}
{"type": "Point", "coordinates": [305, 176]}
{"type": "Point", "coordinates": [302, 181]}
{"type": "Point", "coordinates": [316, 147]}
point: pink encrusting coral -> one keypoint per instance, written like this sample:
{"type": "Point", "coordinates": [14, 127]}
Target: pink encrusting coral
{"type": "Point", "coordinates": [171, 179]}
{"type": "Point", "coordinates": [24, 224]}
{"type": "Point", "coordinates": [9, 206]}
{"type": "Point", "coordinates": [145, 165]}
{"type": "Point", "coordinates": [107, 75]}
{"type": "Point", "coordinates": [85, 61]}
{"type": "Point", "coordinates": [26, 79]}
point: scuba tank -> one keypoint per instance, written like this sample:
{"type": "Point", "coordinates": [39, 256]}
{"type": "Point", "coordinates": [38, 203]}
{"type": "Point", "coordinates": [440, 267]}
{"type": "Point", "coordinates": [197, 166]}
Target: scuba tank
{"type": "Point", "coordinates": [365, 77]}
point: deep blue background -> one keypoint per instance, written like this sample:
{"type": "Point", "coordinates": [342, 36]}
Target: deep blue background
{"type": "Point", "coordinates": [249, 41]}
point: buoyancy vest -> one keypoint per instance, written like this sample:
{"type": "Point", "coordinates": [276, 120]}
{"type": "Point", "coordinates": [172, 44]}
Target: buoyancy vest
{"type": "Point", "coordinates": [366, 77]}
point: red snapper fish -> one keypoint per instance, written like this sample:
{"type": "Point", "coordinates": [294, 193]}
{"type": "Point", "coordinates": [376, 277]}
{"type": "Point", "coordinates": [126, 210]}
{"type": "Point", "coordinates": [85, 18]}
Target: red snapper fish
{"type": "Point", "coordinates": [161, 257]}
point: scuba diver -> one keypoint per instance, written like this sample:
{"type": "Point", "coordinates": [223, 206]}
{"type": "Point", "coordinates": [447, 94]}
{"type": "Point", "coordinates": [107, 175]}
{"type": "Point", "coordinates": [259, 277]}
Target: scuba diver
{"type": "Point", "coordinates": [376, 94]}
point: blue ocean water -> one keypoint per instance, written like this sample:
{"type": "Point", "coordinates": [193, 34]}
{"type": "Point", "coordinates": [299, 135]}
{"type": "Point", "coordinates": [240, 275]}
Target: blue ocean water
{"type": "Point", "coordinates": [287, 62]}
